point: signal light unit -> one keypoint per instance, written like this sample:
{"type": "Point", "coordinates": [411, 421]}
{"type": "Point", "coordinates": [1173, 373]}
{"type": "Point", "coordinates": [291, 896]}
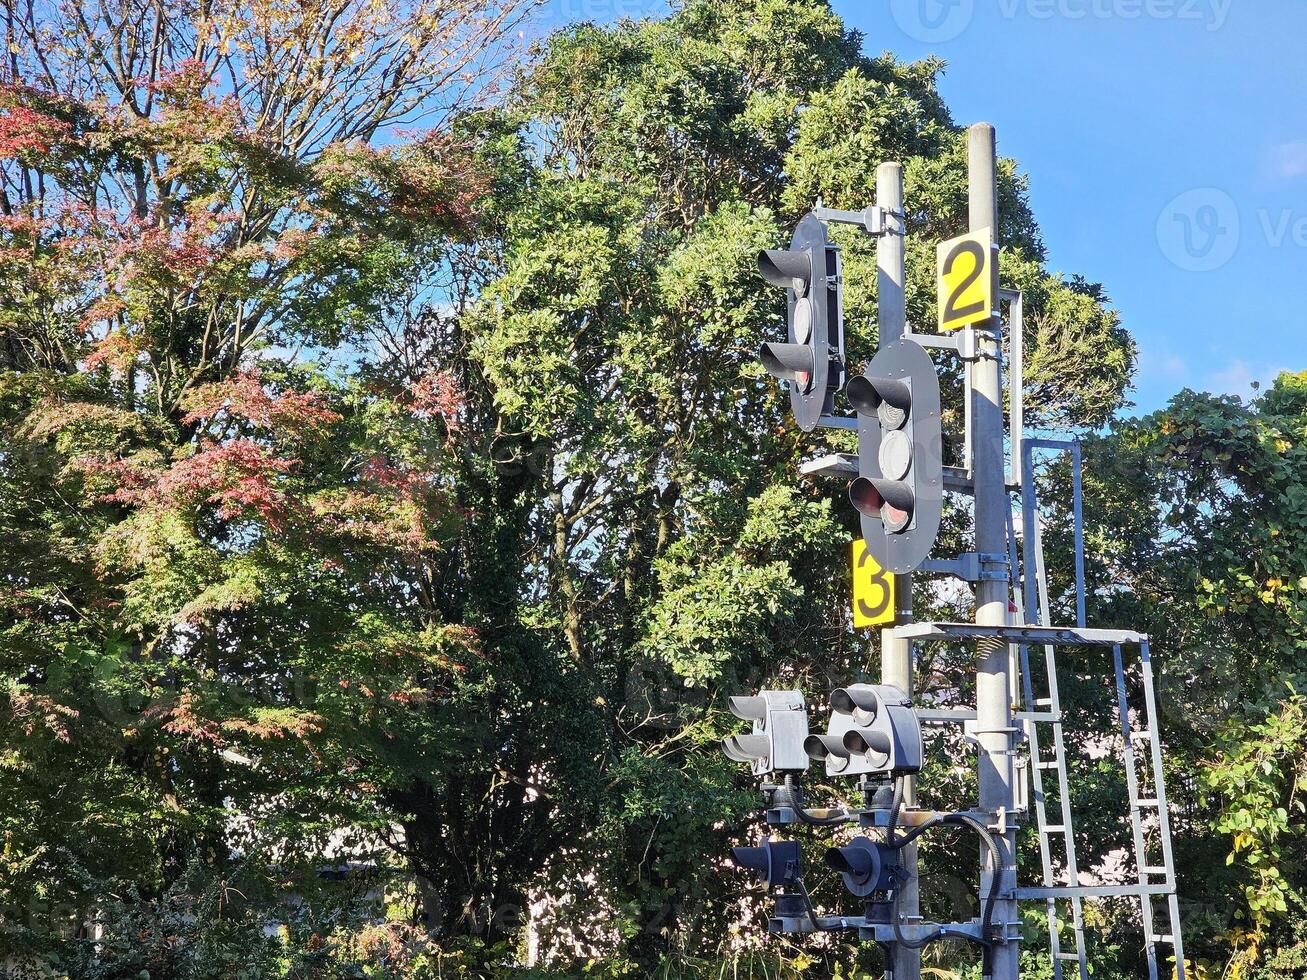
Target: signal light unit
{"type": "Point", "coordinates": [900, 488]}
{"type": "Point", "coordinates": [812, 358]}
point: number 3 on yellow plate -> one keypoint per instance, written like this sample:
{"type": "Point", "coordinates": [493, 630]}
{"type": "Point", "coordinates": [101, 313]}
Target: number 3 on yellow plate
{"type": "Point", "coordinates": [966, 281]}
{"type": "Point", "coordinates": [873, 589]}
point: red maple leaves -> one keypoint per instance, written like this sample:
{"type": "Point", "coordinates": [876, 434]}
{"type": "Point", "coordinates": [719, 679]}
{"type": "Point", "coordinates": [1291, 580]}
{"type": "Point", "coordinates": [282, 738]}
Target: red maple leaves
{"type": "Point", "coordinates": [238, 477]}
{"type": "Point", "coordinates": [244, 397]}
{"type": "Point", "coordinates": [438, 393]}
{"type": "Point", "coordinates": [25, 132]}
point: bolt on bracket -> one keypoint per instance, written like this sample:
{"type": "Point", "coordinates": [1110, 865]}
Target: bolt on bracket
{"type": "Point", "coordinates": [874, 220]}
{"type": "Point", "coordinates": [971, 567]}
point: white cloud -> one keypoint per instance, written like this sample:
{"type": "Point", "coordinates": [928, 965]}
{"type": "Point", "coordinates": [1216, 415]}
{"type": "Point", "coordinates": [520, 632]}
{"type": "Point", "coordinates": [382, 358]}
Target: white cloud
{"type": "Point", "coordinates": [1238, 378]}
{"type": "Point", "coordinates": [1164, 366]}
{"type": "Point", "coordinates": [1288, 161]}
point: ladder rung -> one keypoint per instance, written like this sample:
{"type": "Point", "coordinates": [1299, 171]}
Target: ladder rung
{"type": "Point", "coordinates": [1143, 803]}
{"type": "Point", "coordinates": [1043, 702]}
{"type": "Point", "coordinates": [1163, 938]}
{"type": "Point", "coordinates": [1050, 764]}
{"type": "Point", "coordinates": [1068, 956]}
{"type": "Point", "coordinates": [1142, 736]}
{"type": "Point", "coordinates": [1053, 828]}
{"type": "Point", "coordinates": [1154, 870]}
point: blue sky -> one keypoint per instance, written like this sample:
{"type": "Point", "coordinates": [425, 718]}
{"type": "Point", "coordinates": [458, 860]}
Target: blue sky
{"type": "Point", "coordinates": [1166, 146]}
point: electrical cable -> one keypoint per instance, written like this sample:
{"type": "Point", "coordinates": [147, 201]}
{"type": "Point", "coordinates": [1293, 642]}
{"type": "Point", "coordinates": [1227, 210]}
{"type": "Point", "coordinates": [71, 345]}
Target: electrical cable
{"type": "Point", "coordinates": [896, 842]}
{"type": "Point", "coordinates": [793, 798]}
{"type": "Point", "coordinates": [987, 920]}
{"type": "Point", "coordinates": [915, 832]}
{"type": "Point", "coordinates": [842, 817]}
{"type": "Point", "coordinates": [891, 839]}
{"type": "Point", "coordinates": [807, 903]}
{"type": "Point", "coordinates": [896, 805]}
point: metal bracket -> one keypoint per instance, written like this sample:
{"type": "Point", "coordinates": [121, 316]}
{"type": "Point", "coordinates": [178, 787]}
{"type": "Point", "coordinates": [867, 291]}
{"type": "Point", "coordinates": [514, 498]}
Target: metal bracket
{"type": "Point", "coordinates": [1000, 824]}
{"type": "Point", "coordinates": [971, 567]}
{"type": "Point", "coordinates": [841, 466]}
{"type": "Point", "coordinates": [962, 343]}
{"type": "Point", "coordinates": [958, 480]}
{"type": "Point", "coordinates": [844, 466]}
{"type": "Point", "coordinates": [874, 220]}
{"type": "Point", "coordinates": [1021, 779]}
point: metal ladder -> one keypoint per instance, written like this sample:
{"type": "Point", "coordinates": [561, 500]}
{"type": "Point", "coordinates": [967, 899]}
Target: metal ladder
{"type": "Point", "coordinates": [1148, 870]}
{"type": "Point", "coordinates": [1050, 707]}
{"type": "Point", "coordinates": [1033, 594]}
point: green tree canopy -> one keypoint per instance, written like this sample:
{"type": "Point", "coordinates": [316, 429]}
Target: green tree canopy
{"type": "Point", "coordinates": [416, 499]}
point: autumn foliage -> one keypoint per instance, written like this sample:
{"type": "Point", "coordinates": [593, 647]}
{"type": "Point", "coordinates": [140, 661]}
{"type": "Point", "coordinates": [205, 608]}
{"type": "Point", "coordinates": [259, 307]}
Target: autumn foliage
{"type": "Point", "coordinates": [390, 496]}
{"type": "Point", "coordinates": [225, 600]}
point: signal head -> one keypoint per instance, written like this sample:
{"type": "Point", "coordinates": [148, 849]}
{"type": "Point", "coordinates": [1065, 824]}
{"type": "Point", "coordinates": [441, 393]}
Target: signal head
{"type": "Point", "coordinates": [859, 700]}
{"type": "Point", "coordinates": [892, 502]}
{"type": "Point", "coordinates": [875, 745]}
{"type": "Point", "coordinates": [890, 399]}
{"type": "Point", "coordinates": [851, 860]}
{"type": "Point", "coordinates": [812, 357]}
{"type": "Point", "coordinates": [780, 725]}
{"type": "Point", "coordinates": [899, 491]}
{"type": "Point", "coordinates": [865, 866]}
{"type": "Point", "coordinates": [880, 732]}
{"type": "Point", "coordinates": [746, 748]}
{"type": "Point", "coordinates": [750, 708]}
{"type": "Point", "coordinates": [792, 362]}
{"type": "Point", "coordinates": [787, 269]}
{"type": "Point", "coordinates": [774, 862]}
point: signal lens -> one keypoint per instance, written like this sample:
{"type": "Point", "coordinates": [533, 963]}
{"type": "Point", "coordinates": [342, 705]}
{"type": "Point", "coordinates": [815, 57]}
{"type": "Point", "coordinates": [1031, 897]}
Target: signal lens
{"type": "Point", "coordinates": [895, 520]}
{"type": "Point", "coordinates": [865, 497]}
{"type": "Point", "coordinates": [895, 455]}
{"type": "Point", "coordinates": [802, 321]}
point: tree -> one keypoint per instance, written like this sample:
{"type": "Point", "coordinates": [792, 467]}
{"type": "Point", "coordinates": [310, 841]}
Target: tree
{"type": "Point", "coordinates": [219, 557]}
{"type": "Point", "coordinates": [472, 578]}
{"type": "Point", "coordinates": [675, 554]}
{"type": "Point", "coordinates": [1199, 527]}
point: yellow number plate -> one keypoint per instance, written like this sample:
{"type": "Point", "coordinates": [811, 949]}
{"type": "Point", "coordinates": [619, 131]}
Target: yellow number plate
{"type": "Point", "coordinates": [873, 589]}
{"type": "Point", "coordinates": [966, 281]}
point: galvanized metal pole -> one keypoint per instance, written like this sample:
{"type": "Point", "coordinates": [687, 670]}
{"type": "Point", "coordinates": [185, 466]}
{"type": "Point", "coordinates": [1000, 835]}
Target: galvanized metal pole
{"type": "Point", "coordinates": [994, 722]}
{"type": "Point", "coordinates": [896, 665]}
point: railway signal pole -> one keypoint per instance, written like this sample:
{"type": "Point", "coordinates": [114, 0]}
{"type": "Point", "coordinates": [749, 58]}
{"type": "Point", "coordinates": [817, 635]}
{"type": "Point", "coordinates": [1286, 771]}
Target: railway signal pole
{"type": "Point", "coordinates": [874, 733]}
{"type": "Point", "coordinates": [896, 656]}
{"type": "Point", "coordinates": [995, 730]}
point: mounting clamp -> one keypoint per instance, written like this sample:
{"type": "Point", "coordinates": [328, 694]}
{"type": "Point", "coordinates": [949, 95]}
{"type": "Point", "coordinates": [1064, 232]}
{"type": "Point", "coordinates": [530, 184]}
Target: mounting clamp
{"type": "Point", "coordinates": [962, 343]}
{"type": "Point", "coordinates": [874, 220]}
{"type": "Point", "coordinates": [971, 567]}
